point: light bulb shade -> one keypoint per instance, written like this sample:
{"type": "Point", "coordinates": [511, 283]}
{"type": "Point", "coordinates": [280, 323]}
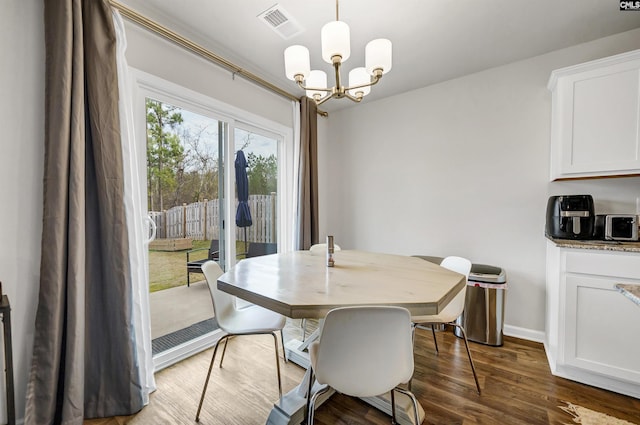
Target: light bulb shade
{"type": "Point", "coordinates": [335, 41]}
{"type": "Point", "coordinates": [378, 55]}
{"type": "Point", "coordinates": [316, 79]}
{"type": "Point", "coordinates": [296, 61]}
{"type": "Point", "coordinates": [359, 76]}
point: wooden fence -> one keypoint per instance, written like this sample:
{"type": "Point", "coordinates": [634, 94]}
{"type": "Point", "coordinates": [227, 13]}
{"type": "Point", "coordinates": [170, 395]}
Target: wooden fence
{"type": "Point", "coordinates": [200, 220]}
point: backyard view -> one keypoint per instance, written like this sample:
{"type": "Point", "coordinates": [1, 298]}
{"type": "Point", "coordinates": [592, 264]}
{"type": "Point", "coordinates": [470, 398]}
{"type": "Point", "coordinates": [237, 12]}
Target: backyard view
{"type": "Point", "coordinates": [186, 173]}
{"type": "Point", "coordinates": [168, 268]}
{"type": "Point", "coordinates": [183, 182]}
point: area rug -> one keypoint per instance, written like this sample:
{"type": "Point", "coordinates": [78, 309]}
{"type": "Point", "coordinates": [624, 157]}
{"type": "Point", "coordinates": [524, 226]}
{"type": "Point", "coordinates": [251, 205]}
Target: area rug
{"type": "Point", "coordinates": [584, 416]}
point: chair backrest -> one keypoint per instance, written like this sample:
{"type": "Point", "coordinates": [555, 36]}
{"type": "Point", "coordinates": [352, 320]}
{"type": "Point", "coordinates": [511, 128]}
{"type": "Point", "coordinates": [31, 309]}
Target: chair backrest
{"type": "Point", "coordinates": [256, 249]}
{"type": "Point", "coordinates": [462, 266]}
{"type": "Point", "coordinates": [457, 264]}
{"type": "Point", "coordinates": [365, 351]}
{"type": "Point", "coordinates": [321, 249]}
{"type": "Point", "coordinates": [223, 304]}
{"type": "Point", "coordinates": [214, 249]}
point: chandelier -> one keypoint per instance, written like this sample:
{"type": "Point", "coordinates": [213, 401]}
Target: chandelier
{"type": "Point", "coordinates": [336, 49]}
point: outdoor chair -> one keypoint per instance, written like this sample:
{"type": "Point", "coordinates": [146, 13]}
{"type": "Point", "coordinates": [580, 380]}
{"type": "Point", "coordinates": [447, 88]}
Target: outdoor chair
{"type": "Point", "coordinates": [363, 351]}
{"type": "Point", "coordinates": [256, 249]}
{"type": "Point", "coordinates": [196, 265]}
{"type": "Point", "coordinates": [453, 310]}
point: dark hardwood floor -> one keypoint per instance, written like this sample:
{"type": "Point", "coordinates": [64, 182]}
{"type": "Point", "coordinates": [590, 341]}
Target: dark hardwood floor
{"type": "Point", "coordinates": [517, 388]}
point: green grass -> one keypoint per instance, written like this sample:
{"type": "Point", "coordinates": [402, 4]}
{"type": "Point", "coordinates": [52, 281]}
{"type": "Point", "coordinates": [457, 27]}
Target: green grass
{"type": "Point", "coordinates": [169, 269]}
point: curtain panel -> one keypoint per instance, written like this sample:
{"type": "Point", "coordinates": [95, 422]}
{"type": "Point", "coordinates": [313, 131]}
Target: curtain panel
{"type": "Point", "coordinates": [84, 362]}
{"type": "Point", "coordinates": [308, 175]}
{"type": "Point", "coordinates": [136, 212]}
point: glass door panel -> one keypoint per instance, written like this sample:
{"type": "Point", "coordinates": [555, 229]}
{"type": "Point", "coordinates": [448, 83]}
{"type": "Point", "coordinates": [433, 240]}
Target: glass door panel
{"type": "Point", "coordinates": [256, 203]}
{"type": "Point", "coordinates": [183, 193]}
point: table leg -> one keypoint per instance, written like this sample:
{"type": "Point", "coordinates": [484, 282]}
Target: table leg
{"type": "Point", "coordinates": [296, 354]}
{"type": "Point", "coordinates": [297, 350]}
{"type": "Point", "coordinates": [291, 409]}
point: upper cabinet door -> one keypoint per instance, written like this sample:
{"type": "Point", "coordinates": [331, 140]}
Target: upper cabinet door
{"type": "Point", "coordinates": [595, 124]}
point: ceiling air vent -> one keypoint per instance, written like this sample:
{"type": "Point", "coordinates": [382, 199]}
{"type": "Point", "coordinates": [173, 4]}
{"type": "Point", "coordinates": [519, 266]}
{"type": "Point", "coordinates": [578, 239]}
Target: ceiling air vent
{"type": "Point", "coordinates": [280, 21]}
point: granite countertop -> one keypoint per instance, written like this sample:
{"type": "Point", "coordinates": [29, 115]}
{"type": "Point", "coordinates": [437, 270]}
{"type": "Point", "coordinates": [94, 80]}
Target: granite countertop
{"type": "Point", "coordinates": [630, 290]}
{"type": "Point", "coordinates": [602, 245]}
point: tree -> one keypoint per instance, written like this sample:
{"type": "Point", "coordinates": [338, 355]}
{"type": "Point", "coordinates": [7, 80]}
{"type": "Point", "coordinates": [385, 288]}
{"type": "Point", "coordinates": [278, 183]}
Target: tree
{"type": "Point", "coordinates": [200, 179]}
{"type": "Point", "coordinates": [262, 173]}
{"type": "Point", "coordinates": [165, 153]}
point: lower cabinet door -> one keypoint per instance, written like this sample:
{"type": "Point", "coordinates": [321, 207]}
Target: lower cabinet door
{"type": "Point", "coordinates": [602, 328]}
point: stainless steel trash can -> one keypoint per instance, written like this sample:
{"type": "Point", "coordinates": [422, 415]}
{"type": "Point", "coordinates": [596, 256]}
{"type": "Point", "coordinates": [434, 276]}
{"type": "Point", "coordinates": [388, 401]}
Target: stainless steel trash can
{"type": "Point", "coordinates": [483, 315]}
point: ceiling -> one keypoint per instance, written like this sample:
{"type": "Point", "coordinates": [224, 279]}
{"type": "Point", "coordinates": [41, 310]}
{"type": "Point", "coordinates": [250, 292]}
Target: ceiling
{"type": "Point", "coordinates": [433, 40]}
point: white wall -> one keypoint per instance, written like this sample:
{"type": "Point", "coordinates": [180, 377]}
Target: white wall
{"type": "Point", "coordinates": [462, 168]}
{"type": "Point", "coordinates": [21, 159]}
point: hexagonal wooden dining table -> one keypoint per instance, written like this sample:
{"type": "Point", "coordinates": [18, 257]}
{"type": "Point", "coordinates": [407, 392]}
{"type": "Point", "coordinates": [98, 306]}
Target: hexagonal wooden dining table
{"type": "Point", "coordinates": [300, 285]}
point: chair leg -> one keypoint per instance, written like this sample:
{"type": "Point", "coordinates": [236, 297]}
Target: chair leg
{"type": "Point", "coordinates": [224, 350]}
{"type": "Point", "coordinates": [466, 344]}
{"type": "Point", "coordinates": [416, 414]}
{"type": "Point", "coordinates": [308, 411]}
{"type": "Point", "coordinates": [413, 344]}
{"type": "Point", "coordinates": [393, 407]}
{"type": "Point", "coordinates": [284, 351]}
{"type": "Point", "coordinates": [435, 341]}
{"type": "Point", "coordinates": [303, 326]}
{"type": "Point", "coordinates": [312, 404]}
{"type": "Point", "coordinates": [275, 341]}
{"type": "Point", "coordinates": [206, 382]}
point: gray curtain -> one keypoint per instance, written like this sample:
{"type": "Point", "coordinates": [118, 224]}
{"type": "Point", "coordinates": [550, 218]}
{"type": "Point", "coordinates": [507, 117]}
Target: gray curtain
{"type": "Point", "coordinates": [83, 357]}
{"type": "Point", "coordinates": [308, 177]}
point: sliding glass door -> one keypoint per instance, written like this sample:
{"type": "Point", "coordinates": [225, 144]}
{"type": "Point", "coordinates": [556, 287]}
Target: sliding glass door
{"type": "Point", "coordinates": [213, 186]}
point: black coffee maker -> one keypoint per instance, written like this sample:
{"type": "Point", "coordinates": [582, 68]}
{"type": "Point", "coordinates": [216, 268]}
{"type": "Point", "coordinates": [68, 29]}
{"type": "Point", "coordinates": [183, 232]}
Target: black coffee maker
{"type": "Point", "coordinates": [570, 217]}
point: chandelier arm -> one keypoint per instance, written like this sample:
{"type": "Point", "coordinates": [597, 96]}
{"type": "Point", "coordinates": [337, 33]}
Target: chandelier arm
{"type": "Point", "coordinates": [377, 76]}
{"type": "Point", "coordinates": [320, 101]}
{"type": "Point", "coordinates": [302, 86]}
{"type": "Point", "coordinates": [354, 98]}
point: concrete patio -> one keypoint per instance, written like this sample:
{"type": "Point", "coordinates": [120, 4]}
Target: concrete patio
{"type": "Point", "coordinates": [177, 309]}
{"type": "Point", "coordinates": [180, 307]}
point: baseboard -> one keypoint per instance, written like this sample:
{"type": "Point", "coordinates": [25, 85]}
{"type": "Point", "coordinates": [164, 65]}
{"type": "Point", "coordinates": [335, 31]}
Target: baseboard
{"type": "Point", "coordinates": [524, 333]}
{"type": "Point", "coordinates": [597, 380]}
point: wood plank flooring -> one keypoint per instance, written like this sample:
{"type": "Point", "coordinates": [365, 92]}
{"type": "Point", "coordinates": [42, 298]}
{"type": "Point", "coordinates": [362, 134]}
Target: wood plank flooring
{"type": "Point", "coordinates": [517, 388]}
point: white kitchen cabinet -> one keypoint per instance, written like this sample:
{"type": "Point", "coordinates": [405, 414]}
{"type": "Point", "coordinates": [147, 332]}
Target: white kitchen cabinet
{"type": "Point", "coordinates": [595, 118]}
{"type": "Point", "coordinates": [592, 330]}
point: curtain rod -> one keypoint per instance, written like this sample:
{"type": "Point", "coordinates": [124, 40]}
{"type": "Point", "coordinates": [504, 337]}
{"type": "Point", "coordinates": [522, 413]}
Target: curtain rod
{"type": "Point", "coordinates": [176, 38]}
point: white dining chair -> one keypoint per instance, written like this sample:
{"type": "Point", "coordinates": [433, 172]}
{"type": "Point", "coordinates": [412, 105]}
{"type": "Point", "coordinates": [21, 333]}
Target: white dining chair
{"type": "Point", "coordinates": [363, 351]}
{"type": "Point", "coordinates": [453, 310]}
{"type": "Point", "coordinates": [251, 320]}
{"type": "Point", "coordinates": [321, 249]}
